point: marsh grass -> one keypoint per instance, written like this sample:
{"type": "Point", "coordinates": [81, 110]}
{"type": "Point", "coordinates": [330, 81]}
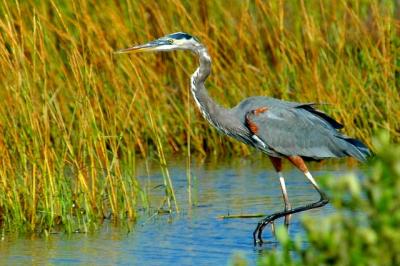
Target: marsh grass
{"type": "Point", "coordinates": [73, 116]}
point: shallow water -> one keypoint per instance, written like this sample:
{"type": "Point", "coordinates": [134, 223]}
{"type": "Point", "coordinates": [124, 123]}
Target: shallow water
{"type": "Point", "coordinates": [194, 236]}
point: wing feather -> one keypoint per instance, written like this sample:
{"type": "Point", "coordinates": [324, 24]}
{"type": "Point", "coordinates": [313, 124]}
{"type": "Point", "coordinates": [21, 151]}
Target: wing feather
{"type": "Point", "coordinates": [295, 131]}
{"type": "Point", "coordinates": [282, 128]}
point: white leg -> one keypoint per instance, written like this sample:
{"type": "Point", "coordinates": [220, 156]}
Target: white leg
{"type": "Point", "coordinates": [284, 191]}
{"type": "Point", "coordinates": [309, 176]}
{"type": "Point", "coordinates": [315, 185]}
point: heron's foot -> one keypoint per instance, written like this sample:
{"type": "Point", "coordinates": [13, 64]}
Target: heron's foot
{"type": "Point", "coordinates": [257, 234]}
{"type": "Point", "coordinates": [324, 200]}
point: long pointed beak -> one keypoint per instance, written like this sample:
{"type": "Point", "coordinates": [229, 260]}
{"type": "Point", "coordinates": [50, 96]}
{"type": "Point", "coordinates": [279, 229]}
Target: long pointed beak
{"type": "Point", "coordinates": [150, 46]}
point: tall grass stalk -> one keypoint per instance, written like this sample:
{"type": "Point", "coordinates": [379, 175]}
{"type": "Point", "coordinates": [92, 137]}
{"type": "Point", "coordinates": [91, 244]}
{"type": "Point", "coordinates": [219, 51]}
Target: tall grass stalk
{"type": "Point", "coordinates": [169, 189]}
{"type": "Point", "coordinates": [189, 157]}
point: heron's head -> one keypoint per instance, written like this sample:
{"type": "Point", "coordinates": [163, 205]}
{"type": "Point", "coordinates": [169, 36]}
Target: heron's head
{"type": "Point", "coordinates": [170, 42]}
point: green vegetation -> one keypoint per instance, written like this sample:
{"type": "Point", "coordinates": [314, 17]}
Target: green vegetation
{"type": "Point", "coordinates": [74, 116]}
{"type": "Point", "coordinates": [364, 228]}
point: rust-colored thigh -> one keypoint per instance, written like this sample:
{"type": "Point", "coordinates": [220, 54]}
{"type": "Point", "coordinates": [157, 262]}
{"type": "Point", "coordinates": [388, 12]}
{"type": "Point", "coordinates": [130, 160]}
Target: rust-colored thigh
{"type": "Point", "coordinates": [298, 162]}
{"type": "Point", "coordinates": [277, 163]}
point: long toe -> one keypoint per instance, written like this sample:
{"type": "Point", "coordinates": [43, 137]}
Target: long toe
{"type": "Point", "coordinates": [256, 233]}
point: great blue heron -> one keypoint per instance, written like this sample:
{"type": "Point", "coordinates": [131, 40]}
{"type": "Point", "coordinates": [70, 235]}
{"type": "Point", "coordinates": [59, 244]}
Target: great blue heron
{"type": "Point", "coordinates": [281, 129]}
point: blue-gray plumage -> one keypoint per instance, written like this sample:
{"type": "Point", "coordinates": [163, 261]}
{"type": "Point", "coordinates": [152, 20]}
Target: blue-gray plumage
{"type": "Point", "coordinates": [283, 130]}
{"type": "Point", "coordinates": [289, 129]}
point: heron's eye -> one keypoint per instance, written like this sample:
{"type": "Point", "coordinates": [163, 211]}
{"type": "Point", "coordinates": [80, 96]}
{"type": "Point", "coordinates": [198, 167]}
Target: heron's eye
{"type": "Point", "coordinates": [170, 41]}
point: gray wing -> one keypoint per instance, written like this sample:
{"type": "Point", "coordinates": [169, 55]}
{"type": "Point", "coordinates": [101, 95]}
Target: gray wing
{"type": "Point", "coordinates": [301, 130]}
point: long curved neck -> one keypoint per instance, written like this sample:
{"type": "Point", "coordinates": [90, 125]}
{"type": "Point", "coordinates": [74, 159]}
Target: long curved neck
{"type": "Point", "coordinates": [210, 110]}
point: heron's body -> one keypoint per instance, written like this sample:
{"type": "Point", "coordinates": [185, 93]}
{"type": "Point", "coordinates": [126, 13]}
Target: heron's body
{"type": "Point", "coordinates": [280, 129]}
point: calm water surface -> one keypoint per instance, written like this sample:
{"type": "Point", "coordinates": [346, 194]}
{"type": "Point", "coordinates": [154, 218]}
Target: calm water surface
{"type": "Point", "coordinates": [194, 236]}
